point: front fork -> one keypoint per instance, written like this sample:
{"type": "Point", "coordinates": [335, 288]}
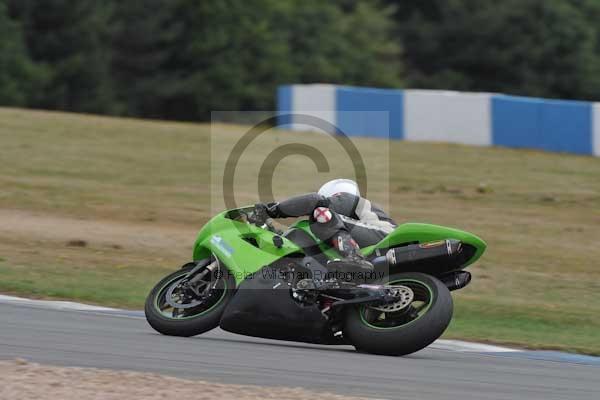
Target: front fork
{"type": "Point", "coordinates": [194, 279]}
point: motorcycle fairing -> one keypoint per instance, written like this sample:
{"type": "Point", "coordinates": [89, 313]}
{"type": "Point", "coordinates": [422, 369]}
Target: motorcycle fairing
{"type": "Point", "coordinates": [410, 233]}
{"type": "Point", "coordinates": [243, 247]}
{"type": "Point", "coordinates": [262, 307]}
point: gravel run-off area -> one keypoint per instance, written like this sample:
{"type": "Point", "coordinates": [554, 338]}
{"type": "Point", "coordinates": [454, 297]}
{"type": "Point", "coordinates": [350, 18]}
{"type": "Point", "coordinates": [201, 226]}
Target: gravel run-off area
{"type": "Point", "coordinates": [23, 380]}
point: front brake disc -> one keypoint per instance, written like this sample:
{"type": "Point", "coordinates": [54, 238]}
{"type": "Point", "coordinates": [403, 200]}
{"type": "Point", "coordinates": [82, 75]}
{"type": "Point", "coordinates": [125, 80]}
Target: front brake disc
{"type": "Point", "coordinates": [180, 302]}
{"type": "Point", "coordinates": [404, 296]}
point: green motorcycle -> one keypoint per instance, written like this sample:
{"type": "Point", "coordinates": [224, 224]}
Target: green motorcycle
{"type": "Point", "coordinates": [249, 278]}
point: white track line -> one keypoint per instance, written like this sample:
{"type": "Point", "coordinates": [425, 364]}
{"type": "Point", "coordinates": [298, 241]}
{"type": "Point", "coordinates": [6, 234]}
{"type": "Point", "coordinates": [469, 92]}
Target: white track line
{"type": "Point", "coordinates": [459, 345]}
{"type": "Point", "coordinates": [440, 344]}
{"type": "Point", "coordinates": [52, 304]}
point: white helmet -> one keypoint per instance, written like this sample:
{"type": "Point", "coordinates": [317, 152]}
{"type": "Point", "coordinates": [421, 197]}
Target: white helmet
{"type": "Point", "coordinates": [339, 186]}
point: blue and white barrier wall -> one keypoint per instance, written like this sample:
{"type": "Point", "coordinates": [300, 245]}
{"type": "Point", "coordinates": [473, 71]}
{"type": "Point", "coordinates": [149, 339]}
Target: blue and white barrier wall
{"type": "Point", "coordinates": [596, 133]}
{"type": "Point", "coordinates": [483, 119]}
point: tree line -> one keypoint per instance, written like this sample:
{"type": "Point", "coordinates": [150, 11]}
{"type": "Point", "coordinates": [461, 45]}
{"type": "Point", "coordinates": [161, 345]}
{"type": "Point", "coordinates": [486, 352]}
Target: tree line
{"type": "Point", "coordinates": [180, 59]}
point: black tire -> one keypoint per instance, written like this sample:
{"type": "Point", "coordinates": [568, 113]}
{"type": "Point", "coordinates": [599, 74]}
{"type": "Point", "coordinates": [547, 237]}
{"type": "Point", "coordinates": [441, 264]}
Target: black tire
{"type": "Point", "coordinates": [193, 325]}
{"type": "Point", "coordinates": [411, 336]}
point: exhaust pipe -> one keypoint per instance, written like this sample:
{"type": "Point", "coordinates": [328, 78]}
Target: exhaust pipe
{"type": "Point", "coordinates": [456, 280]}
{"type": "Point", "coordinates": [418, 252]}
{"type": "Point", "coordinates": [423, 251]}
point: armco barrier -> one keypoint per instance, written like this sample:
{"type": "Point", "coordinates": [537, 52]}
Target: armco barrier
{"type": "Point", "coordinates": [317, 100]}
{"type": "Point", "coordinates": [285, 105]}
{"type": "Point", "coordinates": [566, 126]}
{"type": "Point", "coordinates": [552, 125]}
{"type": "Point", "coordinates": [596, 129]}
{"type": "Point", "coordinates": [443, 116]}
{"type": "Point", "coordinates": [516, 121]}
{"type": "Point", "coordinates": [432, 115]}
{"type": "Point", "coordinates": [360, 114]}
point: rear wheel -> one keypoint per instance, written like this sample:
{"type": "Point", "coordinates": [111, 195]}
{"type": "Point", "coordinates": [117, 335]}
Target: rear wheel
{"type": "Point", "coordinates": [404, 328]}
{"type": "Point", "coordinates": [177, 309]}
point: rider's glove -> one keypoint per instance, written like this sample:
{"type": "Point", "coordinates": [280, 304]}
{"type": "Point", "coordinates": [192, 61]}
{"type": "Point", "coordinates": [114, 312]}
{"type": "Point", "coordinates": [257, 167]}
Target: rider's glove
{"type": "Point", "coordinates": [273, 210]}
{"type": "Point", "coordinates": [260, 213]}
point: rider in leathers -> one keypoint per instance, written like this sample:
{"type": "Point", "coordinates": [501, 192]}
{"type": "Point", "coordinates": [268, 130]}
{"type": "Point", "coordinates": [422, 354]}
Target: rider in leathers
{"type": "Point", "coordinates": [339, 216]}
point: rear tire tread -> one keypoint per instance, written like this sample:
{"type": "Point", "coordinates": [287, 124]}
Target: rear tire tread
{"type": "Point", "coordinates": [407, 339]}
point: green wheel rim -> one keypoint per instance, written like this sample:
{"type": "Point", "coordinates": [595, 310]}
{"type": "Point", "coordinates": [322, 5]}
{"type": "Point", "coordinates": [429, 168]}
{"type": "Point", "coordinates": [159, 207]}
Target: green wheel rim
{"type": "Point", "coordinates": [363, 309]}
{"type": "Point", "coordinates": [160, 292]}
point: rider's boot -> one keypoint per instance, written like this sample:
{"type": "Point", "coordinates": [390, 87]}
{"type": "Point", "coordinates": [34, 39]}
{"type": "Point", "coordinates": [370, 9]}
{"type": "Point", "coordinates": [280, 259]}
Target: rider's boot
{"type": "Point", "coordinates": [350, 252]}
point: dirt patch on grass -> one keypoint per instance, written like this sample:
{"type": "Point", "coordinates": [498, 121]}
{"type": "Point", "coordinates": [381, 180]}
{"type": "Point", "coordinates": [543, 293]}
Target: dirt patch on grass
{"type": "Point", "coordinates": [24, 381]}
{"type": "Point", "coordinates": [91, 260]}
{"type": "Point", "coordinates": [74, 232]}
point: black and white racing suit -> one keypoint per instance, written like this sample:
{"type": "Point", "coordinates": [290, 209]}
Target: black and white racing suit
{"type": "Point", "coordinates": [344, 220]}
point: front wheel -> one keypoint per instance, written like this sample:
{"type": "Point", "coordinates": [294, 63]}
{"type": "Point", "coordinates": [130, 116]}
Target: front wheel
{"type": "Point", "coordinates": [400, 329]}
{"type": "Point", "coordinates": [176, 309]}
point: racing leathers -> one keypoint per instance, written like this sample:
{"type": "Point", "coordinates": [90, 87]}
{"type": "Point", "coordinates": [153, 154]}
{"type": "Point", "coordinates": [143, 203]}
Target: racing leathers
{"type": "Point", "coordinates": [344, 220]}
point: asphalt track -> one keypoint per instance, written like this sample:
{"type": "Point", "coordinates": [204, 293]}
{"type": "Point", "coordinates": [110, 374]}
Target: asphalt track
{"type": "Point", "coordinates": [106, 340]}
